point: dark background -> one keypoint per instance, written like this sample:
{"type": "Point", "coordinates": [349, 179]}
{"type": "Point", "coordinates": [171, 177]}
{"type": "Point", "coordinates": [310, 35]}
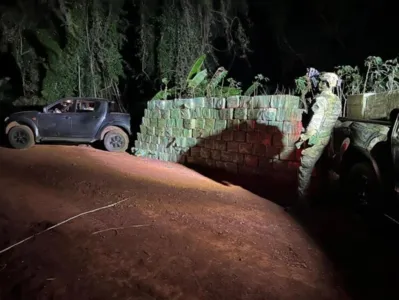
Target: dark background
{"type": "Point", "coordinates": [290, 35]}
{"type": "Point", "coordinates": [287, 36]}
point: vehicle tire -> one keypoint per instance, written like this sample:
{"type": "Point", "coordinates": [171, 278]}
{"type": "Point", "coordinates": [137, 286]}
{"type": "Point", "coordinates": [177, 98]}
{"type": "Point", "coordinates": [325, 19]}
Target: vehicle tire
{"type": "Point", "coordinates": [362, 188]}
{"type": "Point", "coordinates": [116, 141]}
{"type": "Point", "coordinates": [21, 137]}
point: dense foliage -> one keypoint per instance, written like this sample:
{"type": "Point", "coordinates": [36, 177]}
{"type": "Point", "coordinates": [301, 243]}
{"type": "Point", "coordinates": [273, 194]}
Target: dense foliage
{"type": "Point", "coordinates": [199, 83]}
{"type": "Point", "coordinates": [179, 43]}
{"type": "Point", "coordinates": [74, 48]}
{"type": "Point", "coordinates": [174, 33]}
{"type": "Point", "coordinates": [376, 76]}
{"type": "Point", "coordinates": [65, 48]}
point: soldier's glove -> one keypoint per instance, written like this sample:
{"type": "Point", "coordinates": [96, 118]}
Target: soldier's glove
{"type": "Point", "coordinates": [298, 144]}
{"type": "Point", "coordinates": [305, 137]}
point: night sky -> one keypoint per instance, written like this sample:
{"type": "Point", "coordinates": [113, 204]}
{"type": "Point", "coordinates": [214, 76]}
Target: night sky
{"type": "Point", "coordinates": [290, 35]}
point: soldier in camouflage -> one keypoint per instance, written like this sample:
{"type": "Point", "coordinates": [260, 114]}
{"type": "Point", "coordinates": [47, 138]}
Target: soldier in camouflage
{"type": "Point", "coordinates": [326, 110]}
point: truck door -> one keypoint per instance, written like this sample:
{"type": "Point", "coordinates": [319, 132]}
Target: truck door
{"type": "Point", "coordinates": [395, 151]}
{"type": "Point", "coordinates": [88, 118]}
{"type": "Point", "coordinates": [56, 121]}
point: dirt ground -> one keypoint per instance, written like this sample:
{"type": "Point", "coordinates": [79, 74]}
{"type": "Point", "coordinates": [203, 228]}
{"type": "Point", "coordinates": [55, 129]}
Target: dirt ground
{"type": "Point", "coordinates": [201, 239]}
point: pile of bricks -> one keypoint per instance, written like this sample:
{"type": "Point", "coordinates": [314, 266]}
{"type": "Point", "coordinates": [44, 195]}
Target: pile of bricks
{"type": "Point", "coordinates": [248, 135]}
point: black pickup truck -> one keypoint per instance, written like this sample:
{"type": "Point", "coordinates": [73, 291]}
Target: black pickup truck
{"type": "Point", "coordinates": [365, 155]}
{"type": "Point", "coordinates": [76, 120]}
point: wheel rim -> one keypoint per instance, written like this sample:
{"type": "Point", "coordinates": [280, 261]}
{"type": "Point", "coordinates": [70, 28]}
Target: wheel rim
{"type": "Point", "coordinates": [20, 137]}
{"type": "Point", "coordinates": [116, 142]}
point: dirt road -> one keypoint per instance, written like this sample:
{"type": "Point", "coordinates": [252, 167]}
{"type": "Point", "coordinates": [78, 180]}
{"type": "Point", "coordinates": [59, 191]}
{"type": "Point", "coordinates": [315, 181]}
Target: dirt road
{"type": "Point", "coordinates": [202, 240]}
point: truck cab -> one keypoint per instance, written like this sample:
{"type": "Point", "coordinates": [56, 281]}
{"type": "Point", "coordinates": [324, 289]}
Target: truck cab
{"type": "Point", "coordinates": [365, 155]}
{"type": "Point", "coordinates": [71, 120]}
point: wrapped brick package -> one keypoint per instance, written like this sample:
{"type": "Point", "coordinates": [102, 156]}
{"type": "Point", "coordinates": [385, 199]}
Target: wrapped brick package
{"type": "Point", "coordinates": [239, 134]}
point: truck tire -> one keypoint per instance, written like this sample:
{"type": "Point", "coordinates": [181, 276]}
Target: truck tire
{"type": "Point", "coordinates": [116, 141]}
{"type": "Point", "coordinates": [21, 137]}
{"type": "Point", "coordinates": [361, 187]}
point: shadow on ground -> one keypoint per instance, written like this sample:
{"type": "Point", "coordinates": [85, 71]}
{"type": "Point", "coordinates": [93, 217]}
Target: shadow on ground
{"type": "Point", "coordinates": [251, 155]}
{"type": "Point", "coordinates": [364, 250]}
{"type": "Point", "coordinates": [281, 191]}
{"type": "Point", "coordinates": [187, 249]}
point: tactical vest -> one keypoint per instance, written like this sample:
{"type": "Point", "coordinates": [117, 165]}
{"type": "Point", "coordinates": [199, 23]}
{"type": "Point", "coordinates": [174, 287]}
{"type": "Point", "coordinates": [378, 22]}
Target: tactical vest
{"type": "Point", "coordinates": [328, 119]}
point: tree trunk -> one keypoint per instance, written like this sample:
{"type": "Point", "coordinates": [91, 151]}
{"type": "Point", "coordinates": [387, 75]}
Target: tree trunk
{"type": "Point", "coordinates": [91, 57]}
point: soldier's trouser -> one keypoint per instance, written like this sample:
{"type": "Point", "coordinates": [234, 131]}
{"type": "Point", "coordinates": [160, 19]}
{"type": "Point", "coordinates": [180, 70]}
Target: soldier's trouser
{"type": "Point", "coordinates": [309, 158]}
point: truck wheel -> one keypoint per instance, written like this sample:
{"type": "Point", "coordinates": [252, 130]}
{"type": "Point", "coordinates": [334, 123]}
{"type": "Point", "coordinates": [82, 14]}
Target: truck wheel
{"type": "Point", "coordinates": [116, 141]}
{"type": "Point", "coordinates": [362, 188]}
{"type": "Point", "coordinates": [21, 137]}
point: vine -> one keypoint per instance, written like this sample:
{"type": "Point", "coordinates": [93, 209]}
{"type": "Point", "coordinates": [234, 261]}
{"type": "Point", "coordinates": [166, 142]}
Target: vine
{"type": "Point", "coordinates": [174, 34]}
{"type": "Point", "coordinates": [79, 58]}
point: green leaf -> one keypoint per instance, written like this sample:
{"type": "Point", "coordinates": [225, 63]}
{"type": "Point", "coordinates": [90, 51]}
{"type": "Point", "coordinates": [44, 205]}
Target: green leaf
{"type": "Point", "coordinates": [48, 42]}
{"type": "Point", "coordinates": [229, 91]}
{"type": "Point", "coordinates": [164, 94]}
{"type": "Point", "coordinates": [204, 84]}
{"type": "Point", "coordinates": [251, 90]}
{"type": "Point", "coordinates": [196, 67]}
{"type": "Point", "coordinates": [378, 60]}
{"type": "Point", "coordinates": [217, 78]}
{"type": "Point", "coordinates": [198, 79]}
{"type": "Point", "coordinates": [160, 95]}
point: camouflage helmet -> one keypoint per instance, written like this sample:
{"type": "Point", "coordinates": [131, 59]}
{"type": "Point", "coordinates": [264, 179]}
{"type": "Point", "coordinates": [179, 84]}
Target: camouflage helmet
{"type": "Point", "coordinates": [330, 78]}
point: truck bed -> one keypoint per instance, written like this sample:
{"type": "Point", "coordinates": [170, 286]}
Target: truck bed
{"type": "Point", "coordinates": [379, 122]}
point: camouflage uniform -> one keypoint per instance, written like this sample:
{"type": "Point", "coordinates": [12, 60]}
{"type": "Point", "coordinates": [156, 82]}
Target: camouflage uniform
{"type": "Point", "coordinates": [326, 110]}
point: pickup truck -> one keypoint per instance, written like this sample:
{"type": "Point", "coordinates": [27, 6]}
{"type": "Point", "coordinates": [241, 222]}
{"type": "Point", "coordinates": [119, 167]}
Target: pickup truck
{"type": "Point", "coordinates": [73, 120]}
{"type": "Point", "coordinates": [365, 155]}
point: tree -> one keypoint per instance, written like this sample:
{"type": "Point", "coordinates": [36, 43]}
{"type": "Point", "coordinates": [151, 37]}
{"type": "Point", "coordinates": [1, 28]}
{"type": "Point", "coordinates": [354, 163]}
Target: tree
{"type": "Point", "coordinates": [91, 63]}
{"type": "Point", "coordinates": [70, 48]}
{"type": "Point", "coordinates": [17, 28]}
{"type": "Point", "coordinates": [174, 33]}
